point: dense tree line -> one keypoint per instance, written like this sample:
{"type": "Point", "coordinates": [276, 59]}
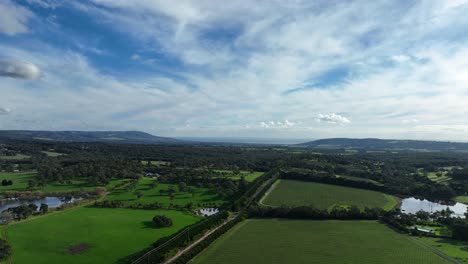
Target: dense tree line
{"type": "Point", "coordinates": [95, 171]}
{"type": "Point", "coordinates": [310, 212]}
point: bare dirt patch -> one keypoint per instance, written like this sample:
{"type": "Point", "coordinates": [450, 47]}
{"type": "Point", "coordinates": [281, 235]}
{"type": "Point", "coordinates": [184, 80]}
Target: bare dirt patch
{"type": "Point", "coordinates": [77, 249]}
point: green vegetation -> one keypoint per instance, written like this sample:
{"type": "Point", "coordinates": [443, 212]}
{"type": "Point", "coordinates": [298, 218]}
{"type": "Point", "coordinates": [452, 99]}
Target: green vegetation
{"type": "Point", "coordinates": [270, 241]}
{"type": "Point", "coordinates": [439, 177]}
{"type": "Point", "coordinates": [15, 157]}
{"type": "Point", "coordinates": [325, 196]}
{"type": "Point", "coordinates": [52, 153]}
{"type": "Point", "coordinates": [150, 194]}
{"type": "Point", "coordinates": [453, 248]}
{"type": "Point", "coordinates": [438, 230]}
{"type": "Point", "coordinates": [89, 235]}
{"type": "Point", "coordinates": [156, 162]}
{"type": "Point", "coordinates": [462, 199]}
{"type": "Point", "coordinates": [248, 176]}
{"type": "Point", "coordinates": [359, 179]}
{"type": "Point", "coordinates": [21, 183]}
{"type": "Point", "coordinates": [20, 180]}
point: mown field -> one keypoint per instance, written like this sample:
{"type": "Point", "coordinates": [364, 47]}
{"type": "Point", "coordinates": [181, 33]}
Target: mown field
{"type": "Point", "coordinates": [15, 157]}
{"type": "Point", "coordinates": [324, 196]}
{"type": "Point", "coordinates": [152, 195]}
{"type": "Point", "coordinates": [99, 235]}
{"type": "Point", "coordinates": [300, 241]}
{"type": "Point", "coordinates": [248, 176]}
{"type": "Point", "coordinates": [453, 248]}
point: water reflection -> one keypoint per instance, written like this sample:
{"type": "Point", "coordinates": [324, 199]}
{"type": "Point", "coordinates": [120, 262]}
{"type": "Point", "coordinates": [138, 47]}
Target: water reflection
{"type": "Point", "coordinates": [413, 205]}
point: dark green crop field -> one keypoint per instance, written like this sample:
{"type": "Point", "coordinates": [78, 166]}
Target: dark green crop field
{"type": "Point", "coordinates": [324, 196]}
{"type": "Point", "coordinates": [333, 242]}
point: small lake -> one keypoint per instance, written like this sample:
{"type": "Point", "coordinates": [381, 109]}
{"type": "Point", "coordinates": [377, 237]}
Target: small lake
{"type": "Point", "coordinates": [207, 211]}
{"type": "Point", "coordinates": [413, 205]}
{"type": "Point", "coordinates": [52, 202]}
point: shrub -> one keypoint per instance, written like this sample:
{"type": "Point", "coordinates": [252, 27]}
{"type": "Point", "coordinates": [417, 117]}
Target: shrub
{"type": "Point", "coordinates": [162, 221]}
{"type": "Point", "coordinates": [5, 249]}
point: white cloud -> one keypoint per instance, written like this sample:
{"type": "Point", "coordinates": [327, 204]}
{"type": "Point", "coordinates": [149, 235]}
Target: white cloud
{"type": "Point", "coordinates": [410, 121]}
{"type": "Point", "coordinates": [277, 124]}
{"type": "Point", "coordinates": [333, 119]}
{"type": "Point", "coordinates": [19, 69]}
{"type": "Point", "coordinates": [400, 58]}
{"type": "Point", "coordinates": [4, 111]}
{"type": "Point", "coordinates": [13, 18]}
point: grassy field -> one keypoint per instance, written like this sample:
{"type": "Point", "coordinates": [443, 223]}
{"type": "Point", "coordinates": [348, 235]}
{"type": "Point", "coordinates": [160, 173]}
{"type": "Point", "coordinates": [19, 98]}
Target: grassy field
{"type": "Point", "coordinates": [325, 196]}
{"type": "Point", "coordinates": [53, 153]}
{"type": "Point", "coordinates": [442, 179]}
{"type": "Point", "coordinates": [298, 241]}
{"type": "Point", "coordinates": [150, 195]}
{"type": "Point", "coordinates": [16, 157]}
{"type": "Point", "coordinates": [248, 176]}
{"type": "Point", "coordinates": [20, 180]}
{"type": "Point", "coordinates": [462, 199]}
{"type": "Point", "coordinates": [453, 248]}
{"type": "Point", "coordinates": [107, 235]}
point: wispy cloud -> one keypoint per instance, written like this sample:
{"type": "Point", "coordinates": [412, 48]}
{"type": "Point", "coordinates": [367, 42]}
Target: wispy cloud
{"type": "Point", "coordinates": [4, 111]}
{"type": "Point", "coordinates": [13, 18]}
{"type": "Point", "coordinates": [219, 66]}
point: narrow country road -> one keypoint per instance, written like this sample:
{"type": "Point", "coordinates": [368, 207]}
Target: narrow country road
{"type": "Point", "coordinates": [230, 218]}
{"type": "Point", "coordinates": [196, 242]}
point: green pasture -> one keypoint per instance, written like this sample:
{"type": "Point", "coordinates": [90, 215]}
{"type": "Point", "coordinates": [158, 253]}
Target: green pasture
{"type": "Point", "coordinates": [324, 196]}
{"type": "Point", "coordinates": [108, 235]}
{"type": "Point", "coordinates": [454, 248]}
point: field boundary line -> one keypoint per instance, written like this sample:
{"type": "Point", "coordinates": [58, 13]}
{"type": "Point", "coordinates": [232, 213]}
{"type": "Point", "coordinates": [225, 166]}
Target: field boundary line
{"type": "Point", "coordinates": [434, 250]}
{"type": "Point", "coordinates": [272, 187]}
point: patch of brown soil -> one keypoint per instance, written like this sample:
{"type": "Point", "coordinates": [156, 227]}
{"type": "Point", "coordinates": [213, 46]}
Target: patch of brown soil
{"type": "Point", "coordinates": [77, 249]}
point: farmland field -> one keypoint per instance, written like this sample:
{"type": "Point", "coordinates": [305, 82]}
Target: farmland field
{"type": "Point", "coordinates": [248, 176]}
{"type": "Point", "coordinates": [104, 235]}
{"type": "Point", "coordinates": [453, 248]}
{"type": "Point", "coordinates": [324, 196]}
{"type": "Point", "coordinates": [299, 241]}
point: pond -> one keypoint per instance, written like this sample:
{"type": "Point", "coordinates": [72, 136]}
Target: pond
{"type": "Point", "coordinates": [413, 205]}
{"type": "Point", "coordinates": [52, 202]}
{"type": "Point", "coordinates": [207, 211]}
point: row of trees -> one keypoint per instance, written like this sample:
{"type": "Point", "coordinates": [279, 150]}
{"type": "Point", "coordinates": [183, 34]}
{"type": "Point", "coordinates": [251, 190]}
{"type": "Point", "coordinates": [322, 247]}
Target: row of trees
{"type": "Point", "coordinates": [310, 212]}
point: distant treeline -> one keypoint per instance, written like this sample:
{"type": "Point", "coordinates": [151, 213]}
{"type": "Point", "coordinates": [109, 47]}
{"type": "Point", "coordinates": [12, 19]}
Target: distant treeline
{"type": "Point", "coordinates": [429, 190]}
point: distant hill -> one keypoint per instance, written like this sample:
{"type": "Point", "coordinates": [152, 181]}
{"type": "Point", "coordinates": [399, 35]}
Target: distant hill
{"type": "Point", "coordinates": [135, 137]}
{"type": "Point", "coordinates": [386, 144]}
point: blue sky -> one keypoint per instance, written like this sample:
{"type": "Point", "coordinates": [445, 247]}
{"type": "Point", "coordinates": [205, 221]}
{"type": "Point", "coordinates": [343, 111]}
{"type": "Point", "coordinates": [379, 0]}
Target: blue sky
{"type": "Point", "coordinates": [295, 69]}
